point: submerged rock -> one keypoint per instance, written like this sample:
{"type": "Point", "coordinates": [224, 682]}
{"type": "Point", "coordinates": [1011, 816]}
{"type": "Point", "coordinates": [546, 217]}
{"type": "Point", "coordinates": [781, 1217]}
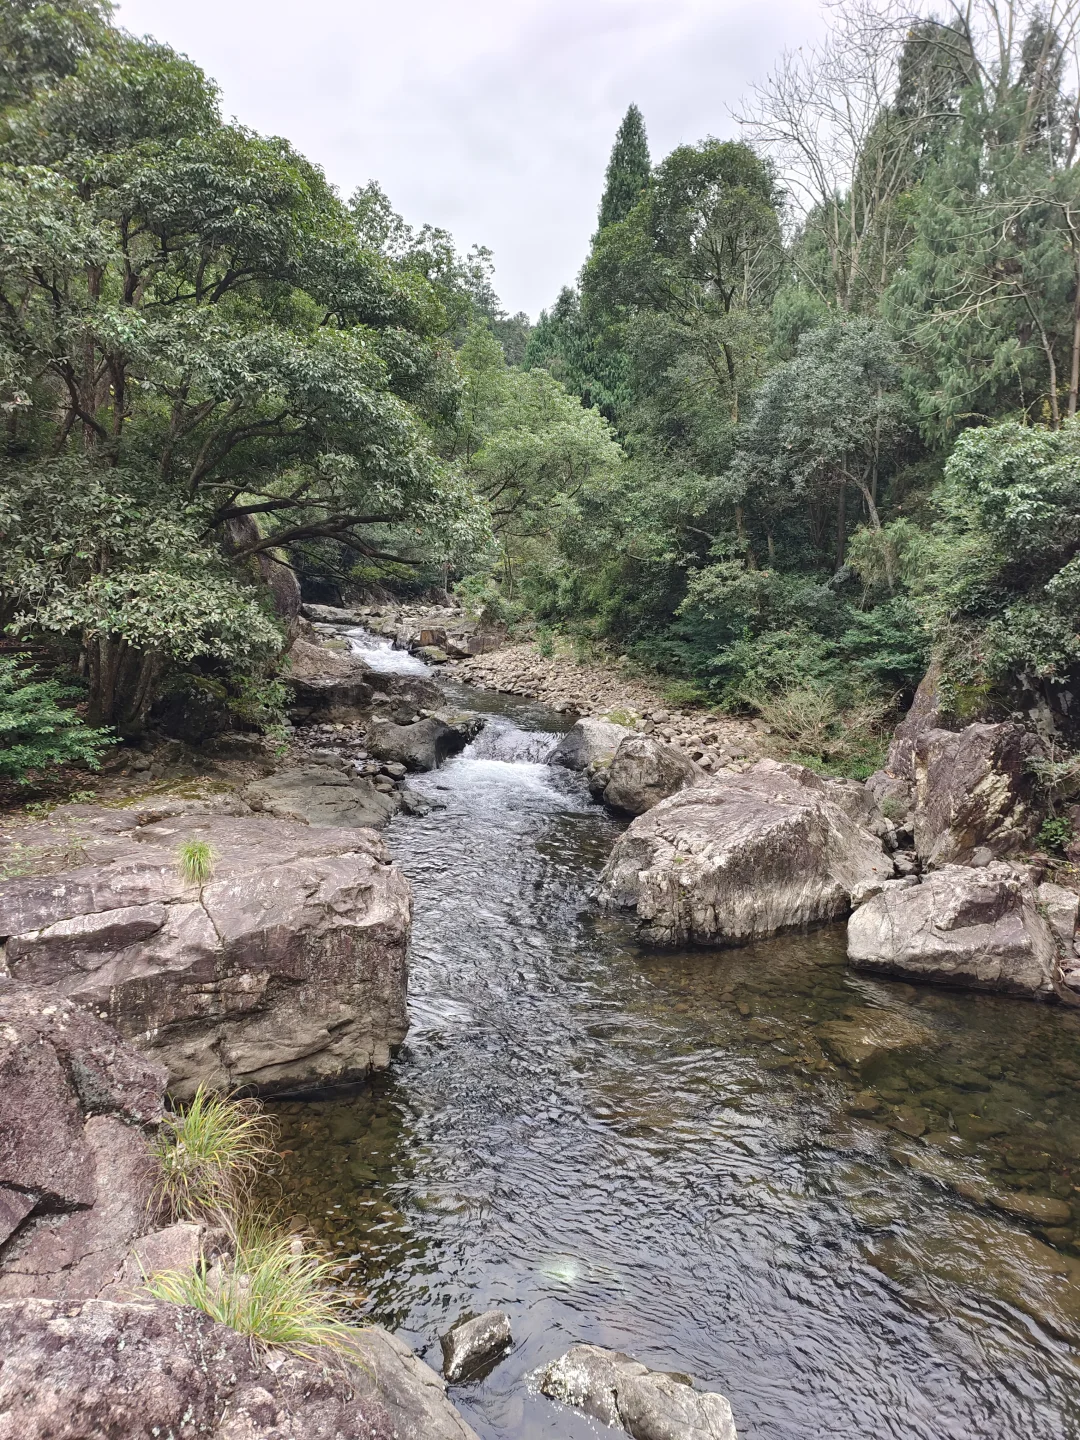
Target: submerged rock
{"type": "Point", "coordinates": [644, 771]}
{"type": "Point", "coordinates": [867, 1033]}
{"type": "Point", "coordinates": [973, 793]}
{"type": "Point", "coordinates": [980, 928]}
{"type": "Point", "coordinates": [322, 795]}
{"type": "Point", "coordinates": [286, 969]}
{"type": "Point", "coordinates": [113, 1370]}
{"type": "Point", "coordinates": [474, 1345]}
{"type": "Point", "coordinates": [647, 1404]}
{"type": "Point", "coordinates": [587, 743]}
{"type": "Point", "coordinates": [741, 857]}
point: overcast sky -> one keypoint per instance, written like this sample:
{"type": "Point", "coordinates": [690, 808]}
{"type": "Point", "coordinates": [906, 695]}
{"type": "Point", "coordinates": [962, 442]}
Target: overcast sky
{"type": "Point", "coordinates": [491, 118]}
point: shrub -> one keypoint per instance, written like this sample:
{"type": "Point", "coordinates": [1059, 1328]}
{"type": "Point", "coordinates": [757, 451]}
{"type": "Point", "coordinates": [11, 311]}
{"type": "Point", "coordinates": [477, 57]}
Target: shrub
{"type": "Point", "coordinates": [210, 1153]}
{"type": "Point", "coordinates": [38, 732]}
{"type": "Point", "coordinates": [271, 1289]}
{"type": "Point", "coordinates": [195, 862]}
{"type": "Point", "coordinates": [813, 724]}
{"type": "Point", "coordinates": [1056, 833]}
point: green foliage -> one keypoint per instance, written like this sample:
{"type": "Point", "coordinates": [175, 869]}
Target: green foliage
{"type": "Point", "coordinates": [628, 169]}
{"type": "Point", "coordinates": [38, 731]}
{"type": "Point", "coordinates": [271, 1289]}
{"type": "Point", "coordinates": [210, 1154]}
{"type": "Point", "coordinates": [195, 862]}
{"type": "Point", "coordinates": [1056, 833]}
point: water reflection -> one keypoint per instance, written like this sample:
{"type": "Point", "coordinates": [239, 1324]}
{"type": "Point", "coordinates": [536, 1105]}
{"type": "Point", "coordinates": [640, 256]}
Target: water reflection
{"type": "Point", "coordinates": [668, 1153]}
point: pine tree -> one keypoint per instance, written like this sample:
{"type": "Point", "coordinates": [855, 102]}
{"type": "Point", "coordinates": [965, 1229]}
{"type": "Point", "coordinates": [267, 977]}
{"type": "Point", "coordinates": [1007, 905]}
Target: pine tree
{"type": "Point", "coordinates": [627, 171]}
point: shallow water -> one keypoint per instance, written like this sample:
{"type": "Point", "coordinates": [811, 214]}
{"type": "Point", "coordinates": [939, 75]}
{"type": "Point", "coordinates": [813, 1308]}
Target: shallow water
{"type": "Point", "coordinates": [655, 1151]}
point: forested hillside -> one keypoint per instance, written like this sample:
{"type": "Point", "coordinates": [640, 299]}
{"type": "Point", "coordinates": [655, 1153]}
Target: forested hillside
{"type": "Point", "coordinates": [806, 419]}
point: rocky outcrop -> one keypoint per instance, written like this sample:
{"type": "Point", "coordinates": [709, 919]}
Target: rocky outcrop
{"type": "Point", "coordinates": [980, 928]}
{"type": "Point", "coordinates": [425, 744]}
{"type": "Point", "coordinates": [322, 795]}
{"type": "Point", "coordinates": [973, 793]}
{"type": "Point", "coordinates": [326, 684]}
{"type": "Point", "coordinates": [286, 969]}
{"type": "Point", "coordinates": [474, 1345]}
{"type": "Point", "coordinates": [743, 856]}
{"type": "Point", "coordinates": [644, 771]}
{"type": "Point", "coordinates": [647, 1404]}
{"type": "Point", "coordinates": [896, 782]}
{"type": "Point", "coordinates": [76, 1177]}
{"type": "Point", "coordinates": [117, 1370]}
{"type": "Point", "coordinates": [587, 743]}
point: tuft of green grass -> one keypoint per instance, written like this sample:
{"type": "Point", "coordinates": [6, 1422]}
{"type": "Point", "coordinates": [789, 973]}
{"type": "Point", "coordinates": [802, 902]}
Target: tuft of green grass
{"type": "Point", "coordinates": [271, 1289]}
{"type": "Point", "coordinates": [195, 861]}
{"type": "Point", "coordinates": [210, 1154]}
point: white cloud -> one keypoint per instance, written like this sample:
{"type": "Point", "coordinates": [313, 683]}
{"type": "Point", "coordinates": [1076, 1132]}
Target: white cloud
{"type": "Point", "coordinates": [494, 120]}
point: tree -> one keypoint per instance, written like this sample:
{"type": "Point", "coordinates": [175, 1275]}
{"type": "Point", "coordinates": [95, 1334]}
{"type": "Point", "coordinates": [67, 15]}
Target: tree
{"type": "Point", "coordinates": [627, 172]}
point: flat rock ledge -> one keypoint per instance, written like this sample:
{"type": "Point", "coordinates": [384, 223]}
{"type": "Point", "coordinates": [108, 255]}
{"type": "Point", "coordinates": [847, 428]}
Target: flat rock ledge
{"type": "Point", "coordinates": [119, 1370]}
{"type": "Point", "coordinates": [647, 1404]}
{"type": "Point", "coordinates": [286, 970]}
{"type": "Point", "coordinates": [744, 856]}
{"type": "Point", "coordinates": [981, 928]}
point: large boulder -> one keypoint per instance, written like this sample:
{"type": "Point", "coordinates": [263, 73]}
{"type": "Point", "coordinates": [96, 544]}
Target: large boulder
{"type": "Point", "coordinates": [76, 1175]}
{"type": "Point", "coordinates": [973, 793]}
{"type": "Point", "coordinates": [647, 1404]}
{"type": "Point", "coordinates": [425, 744]}
{"type": "Point", "coordinates": [644, 771]}
{"type": "Point", "coordinates": [588, 742]}
{"type": "Point", "coordinates": [322, 795]}
{"type": "Point", "coordinates": [744, 856]}
{"type": "Point", "coordinates": [118, 1370]}
{"type": "Point", "coordinates": [327, 685]}
{"type": "Point", "coordinates": [981, 928]}
{"type": "Point", "coordinates": [897, 779]}
{"type": "Point", "coordinates": [285, 970]}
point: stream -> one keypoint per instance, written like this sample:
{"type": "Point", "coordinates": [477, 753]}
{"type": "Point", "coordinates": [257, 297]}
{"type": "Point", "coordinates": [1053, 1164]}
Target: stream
{"type": "Point", "coordinates": [651, 1150]}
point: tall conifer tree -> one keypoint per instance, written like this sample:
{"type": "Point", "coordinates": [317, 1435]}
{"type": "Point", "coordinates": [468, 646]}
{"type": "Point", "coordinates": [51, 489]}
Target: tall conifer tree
{"type": "Point", "coordinates": [627, 171]}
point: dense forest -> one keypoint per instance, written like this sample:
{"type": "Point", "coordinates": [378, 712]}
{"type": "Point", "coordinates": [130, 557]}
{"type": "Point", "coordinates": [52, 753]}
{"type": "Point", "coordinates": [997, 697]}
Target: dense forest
{"type": "Point", "coordinates": [806, 420]}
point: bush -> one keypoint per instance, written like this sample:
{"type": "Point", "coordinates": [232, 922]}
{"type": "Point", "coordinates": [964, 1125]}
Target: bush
{"type": "Point", "coordinates": [195, 862]}
{"type": "Point", "coordinates": [38, 732]}
{"type": "Point", "coordinates": [210, 1154]}
{"type": "Point", "coordinates": [814, 725]}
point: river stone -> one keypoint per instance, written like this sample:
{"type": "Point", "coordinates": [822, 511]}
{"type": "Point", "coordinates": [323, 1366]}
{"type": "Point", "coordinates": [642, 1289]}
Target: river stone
{"type": "Point", "coordinates": [474, 1345]}
{"type": "Point", "coordinates": [423, 745]}
{"type": "Point", "coordinates": [973, 793]}
{"type": "Point", "coordinates": [326, 684]}
{"type": "Point", "coordinates": [741, 857]}
{"type": "Point", "coordinates": [868, 1032]}
{"type": "Point", "coordinates": [321, 795]}
{"type": "Point", "coordinates": [1060, 907]}
{"type": "Point", "coordinates": [587, 742]}
{"type": "Point", "coordinates": [979, 928]}
{"type": "Point", "coordinates": [331, 615]}
{"type": "Point", "coordinates": [114, 1370]}
{"type": "Point", "coordinates": [644, 771]}
{"type": "Point", "coordinates": [647, 1404]}
{"type": "Point", "coordinates": [286, 970]}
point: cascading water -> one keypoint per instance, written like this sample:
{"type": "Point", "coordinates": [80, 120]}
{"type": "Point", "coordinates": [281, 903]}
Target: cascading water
{"type": "Point", "coordinates": [646, 1150]}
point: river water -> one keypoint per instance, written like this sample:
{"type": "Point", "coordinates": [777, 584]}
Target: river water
{"type": "Point", "coordinates": [654, 1150]}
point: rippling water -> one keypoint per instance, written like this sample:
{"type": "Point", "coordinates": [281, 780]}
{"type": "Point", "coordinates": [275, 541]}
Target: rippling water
{"type": "Point", "coordinates": [655, 1152]}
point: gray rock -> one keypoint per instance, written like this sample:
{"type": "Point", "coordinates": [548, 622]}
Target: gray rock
{"type": "Point", "coordinates": [587, 743]}
{"type": "Point", "coordinates": [326, 685]}
{"type": "Point", "coordinates": [742, 857]}
{"type": "Point", "coordinates": [286, 970]}
{"type": "Point", "coordinates": [425, 744]}
{"type": "Point", "coordinates": [474, 1345]}
{"type": "Point", "coordinates": [647, 1404]}
{"type": "Point", "coordinates": [980, 929]}
{"type": "Point", "coordinates": [115, 1370]}
{"type": "Point", "coordinates": [1060, 908]}
{"type": "Point", "coordinates": [331, 615]}
{"type": "Point", "coordinates": [972, 791]}
{"type": "Point", "coordinates": [643, 771]}
{"type": "Point", "coordinates": [321, 795]}
{"type": "Point", "coordinates": [76, 1175]}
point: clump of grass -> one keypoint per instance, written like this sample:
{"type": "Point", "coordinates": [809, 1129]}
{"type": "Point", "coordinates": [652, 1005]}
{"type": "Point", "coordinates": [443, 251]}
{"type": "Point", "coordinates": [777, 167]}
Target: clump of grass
{"type": "Point", "coordinates": [271, 1289]}
{"type": "Point", "coordinates": [196, 861]}
{"type": "Point", "coordinates": [210, 1154]}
